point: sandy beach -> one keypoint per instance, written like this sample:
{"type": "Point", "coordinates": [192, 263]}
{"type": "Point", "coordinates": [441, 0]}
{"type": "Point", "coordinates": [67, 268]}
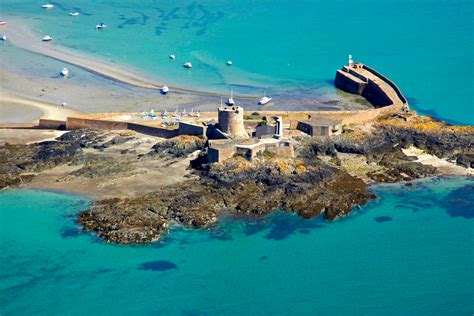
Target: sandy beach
{"type": "Point", "coordinates": [444, 166]}
{"type": "Point", "coordinates": [48, 110]}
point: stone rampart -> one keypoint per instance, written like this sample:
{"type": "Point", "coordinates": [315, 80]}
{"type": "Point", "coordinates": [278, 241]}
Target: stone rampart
{"type": "Point", "coordinates": [192, 129]}
{"type": "Point", "coordinates": [51, 124]}
{"type": "Point", "coordinates": [153, 131]}
{"type": "Point", "coordinates": [73, 123]}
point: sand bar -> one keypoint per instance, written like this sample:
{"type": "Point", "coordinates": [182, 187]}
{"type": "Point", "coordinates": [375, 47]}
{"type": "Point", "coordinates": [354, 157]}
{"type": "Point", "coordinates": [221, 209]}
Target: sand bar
{"type": "Point", "coordinates": [21, 36]}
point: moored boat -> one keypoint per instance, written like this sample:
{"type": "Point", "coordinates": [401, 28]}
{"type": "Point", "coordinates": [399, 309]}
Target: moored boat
{"type": "Point", "coordinates": [3, 38]}
{"type": "Point", "coordinates": [172, 56]}
{"type": "Point", "coordinates": [64, 72]}
{"type": "Point", "coordinates": [229, 62]}
{"type": "Point", "coordinates": [73, 13]}
{"type": "Point", "coordinates": [3, 22]}
{"type": "Point", "coordinates": [100, 26]}
{"type": "Point", "coordinates": [165, 89]}
{"type": "Point", "coordinates": [47, 6]}
{"type": "Point", "coordinates": [47, 38]}
{"type": "Point", "coordinates": [188, 65]}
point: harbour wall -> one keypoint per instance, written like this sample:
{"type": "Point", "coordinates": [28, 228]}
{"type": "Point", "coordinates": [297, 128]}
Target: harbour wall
{"type": "Point", "coordinates": [369, 83]}
{"type": "Point", "coordinates": [388, 81]}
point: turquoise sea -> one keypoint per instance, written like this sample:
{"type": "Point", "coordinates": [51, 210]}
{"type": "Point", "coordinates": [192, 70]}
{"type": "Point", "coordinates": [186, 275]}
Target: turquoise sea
{"type": "Point", "coordinates": [291, 47]}
{"type": "Point", "coordinates": [410, 252]}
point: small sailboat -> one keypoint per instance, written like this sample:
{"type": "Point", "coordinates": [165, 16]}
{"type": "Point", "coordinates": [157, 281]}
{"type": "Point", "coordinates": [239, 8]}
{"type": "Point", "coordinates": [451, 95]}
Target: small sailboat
{"type": "Point", "coordinates": [47, 6]}
{"type": "Point", "coordinates": [165, 89]}
{"type": "Point", "coordinates": [229, 62]}
{"type": "Point", "coordinates": [3, 22]}
{"type": "Point", "coordinates": [231, 101]}
{"type": "Point", "coordinates": [188, 65]}
{"type": "Point", "coordinates": [47, 38]}
{"type": "Point", "coordinates": [64, 72]}
{"type": "Point", "coordinates": [74, 13]}
{"type": "Point", "coordinates": [100, 26]}
{"type": "Point", "coordinates": [264, 100]}
{"type": "Point", "coordinates": [172, 56]}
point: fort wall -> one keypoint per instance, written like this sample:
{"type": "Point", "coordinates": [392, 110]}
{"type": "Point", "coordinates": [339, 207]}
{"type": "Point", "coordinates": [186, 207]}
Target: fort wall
{"type": "Point", "coordinates": [192, 129]}
{"type": "Point", "coordinates": [51, 124]}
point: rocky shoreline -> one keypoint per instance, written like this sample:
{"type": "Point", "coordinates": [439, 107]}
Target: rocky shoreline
{"type": "Point", "coordinates": [328, 176]}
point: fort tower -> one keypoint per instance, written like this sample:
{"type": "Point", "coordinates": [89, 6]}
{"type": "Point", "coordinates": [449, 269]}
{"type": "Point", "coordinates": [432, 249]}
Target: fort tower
{"type": "Point", "coordinates": [231, 121]}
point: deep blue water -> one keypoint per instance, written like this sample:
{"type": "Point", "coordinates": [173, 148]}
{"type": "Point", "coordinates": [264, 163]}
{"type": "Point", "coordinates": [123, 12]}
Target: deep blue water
{"type": "Point", "coordinates": [410, 252]}
{"type": "Point", "coordinates": [291, 47]}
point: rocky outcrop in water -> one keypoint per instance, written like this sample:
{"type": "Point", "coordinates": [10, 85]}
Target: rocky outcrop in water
{"type": "Point", "coordinates": [238, 187]}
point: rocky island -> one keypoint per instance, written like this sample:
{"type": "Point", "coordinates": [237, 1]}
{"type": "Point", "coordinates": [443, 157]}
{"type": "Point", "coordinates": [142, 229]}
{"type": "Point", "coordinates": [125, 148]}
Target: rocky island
{"type": "Point", "coordinates": [143, 183]}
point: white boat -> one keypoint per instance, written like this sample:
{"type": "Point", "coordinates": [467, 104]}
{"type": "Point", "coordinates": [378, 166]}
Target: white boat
{"type": "Point", "coordinates": [47, 38]}
{"type": "Point", "coordinates": [2, 22]}
{"type": "Point", "coordinates": [47, 6]}
{"type": "Point", "coordinates": [4, 38]}
{"type": "Point", "coordinates": [231, 101]}
{"type": "Point", "coordinates": [264, 100]}
{"type": "Point", "coordinates": [64, 72]}
{"type": "Point", "coordinates": [100, 26]}
{"type": "Point", "coordinates": [73, 13]}
{"type": "Point", "coordinates": [63, 104]}
{"type": "Point", "coordinates": [165, 89]}
{"type": "Point", "coordinates": [229, 62]}
{"type": "Point", "coordinates": [188, 65]}
{"type": "Point", "coordinates": [172, 56]}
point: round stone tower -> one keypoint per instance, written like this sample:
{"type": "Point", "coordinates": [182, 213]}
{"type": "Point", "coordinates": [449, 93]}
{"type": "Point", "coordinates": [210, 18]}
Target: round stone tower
{"type": "Point", "coordinates": [231, 121]}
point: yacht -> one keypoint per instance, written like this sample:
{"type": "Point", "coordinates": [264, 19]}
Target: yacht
{"type": "Point", "coordinates": [2, 22]}
{"type": "Point", "coordinates": [264, 100]}
{"type": "Point", "coordinates": [73, 13]}
{"type": "Point", "coordinates": [172, 56]}
{"type": "Point", "coordinates": [100, 26]}
{"type": "Point", "coordinates": [165, 89]}
{"type": "Point", "coordinates": [229, 62]}
{"type": "Point", "coordinates": [47, 6]}
{"type": "Point", "coordinates": [188, 65]}
{"type": "Point", "coordinates": [231, 101]}
{"type": "Point", "coordinates": [64, 72]}
{"type": "Point", "coordinates": [47, 38]}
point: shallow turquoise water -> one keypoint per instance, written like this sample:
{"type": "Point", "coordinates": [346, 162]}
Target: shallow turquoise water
{"type": "Point", "coordinates": [408, 253]}
{"type": "Point", "coordinates": [292, 47]}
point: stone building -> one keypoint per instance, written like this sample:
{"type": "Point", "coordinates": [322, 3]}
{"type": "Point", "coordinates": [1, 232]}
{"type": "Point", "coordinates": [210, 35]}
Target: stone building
{"type": "Point", "coordinates": [320, 126]}
{"type": "Point", "coordinates": [221, 150]}
{"type": "Point", "coordinates": [270, 128]}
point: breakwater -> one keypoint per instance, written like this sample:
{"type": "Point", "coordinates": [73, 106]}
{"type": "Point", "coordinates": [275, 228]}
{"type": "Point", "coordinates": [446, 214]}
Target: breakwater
{"type": "Point", "coordinates": [379, 90]}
